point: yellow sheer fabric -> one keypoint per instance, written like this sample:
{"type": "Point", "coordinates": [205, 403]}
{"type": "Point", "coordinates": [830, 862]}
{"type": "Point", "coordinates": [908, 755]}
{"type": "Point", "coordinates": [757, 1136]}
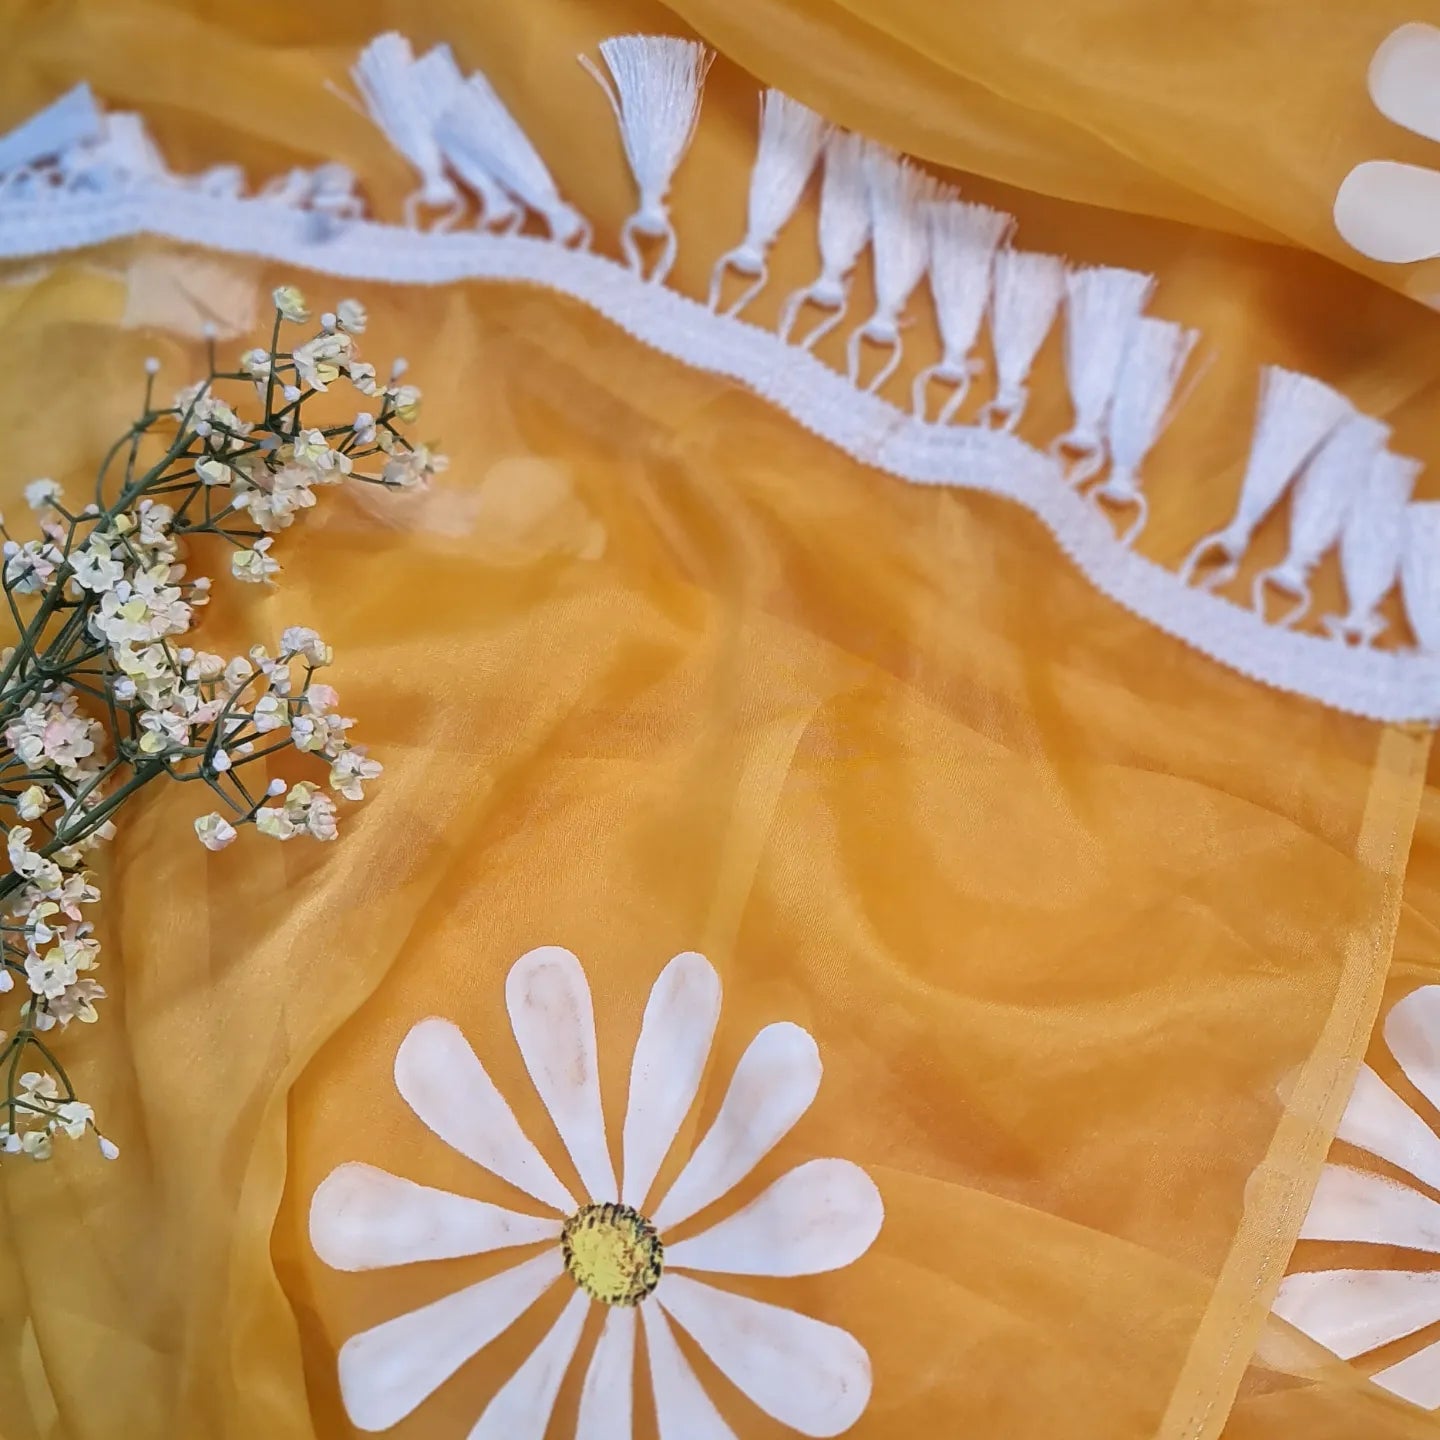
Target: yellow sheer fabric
{"type": "Point", "coordinates": [1089, 931]}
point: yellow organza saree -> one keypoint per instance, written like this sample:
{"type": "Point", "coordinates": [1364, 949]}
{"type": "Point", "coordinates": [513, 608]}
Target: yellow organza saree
{"type": "Point", "coordinates": [1041, 951]}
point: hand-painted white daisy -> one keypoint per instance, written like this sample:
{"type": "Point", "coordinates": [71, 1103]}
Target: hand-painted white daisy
{"type": "Point", "coordinates": [810, 1376]}
{"type": "Point", "coordinates": [1355, 1311]}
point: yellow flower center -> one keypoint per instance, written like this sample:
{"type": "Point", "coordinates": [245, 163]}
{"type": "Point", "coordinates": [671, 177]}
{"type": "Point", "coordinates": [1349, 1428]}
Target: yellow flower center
{"type": "Point", "coordinates": [612, 1253]}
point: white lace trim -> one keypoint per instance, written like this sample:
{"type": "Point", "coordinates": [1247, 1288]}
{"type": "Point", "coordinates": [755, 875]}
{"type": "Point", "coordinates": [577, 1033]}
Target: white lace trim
{"type": "Point", "coordinates": [71, 184]}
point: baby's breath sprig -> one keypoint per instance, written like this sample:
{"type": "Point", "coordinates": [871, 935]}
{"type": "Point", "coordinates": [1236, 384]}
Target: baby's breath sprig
{"type": "Point", "coordinates": [102, 693]}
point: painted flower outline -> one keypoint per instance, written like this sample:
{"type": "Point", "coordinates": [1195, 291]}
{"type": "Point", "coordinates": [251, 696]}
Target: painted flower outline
{"type": "Point", "coordinates": [1356, 1311]}
{"type": "Point", "coordinates": [811, 1376]}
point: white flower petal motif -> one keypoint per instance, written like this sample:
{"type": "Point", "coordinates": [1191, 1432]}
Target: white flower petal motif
{"type": "Point", "coordinates": [775, 1082]}
{"type": "Point", "coordinates": [1415, 1378]}
{"type": "Point", "coordinates": [522, 1409]}
{"type": "Point", "coordinates": [1412, 1031]}
{"type": "Point", "coordinates": [607, 1402]}
{"type": "Point", "coordinates": [386, 1372]}
{"type": "Point", "coordinates": [554, 1024]}
{"type": "Point", "coordinates": [1354, 1311]}
{"type": "Point", "coordinates": [682, 1408]}
{"type": "Point", "coordinates": [811, 1376]}
{"type": "Point", "coordinates": [822, 1216]}
{"type": "Point", "coordinates": [670, 1056]}
{"type": "Point", "coordinates": [444, 1083]}
{"type": "Point", "coordinates": [1371, 1209]}
{"type": "Point", "coordinates": [1379, 1121]}
{"type": "Point", "coordinates": [366, 1219]}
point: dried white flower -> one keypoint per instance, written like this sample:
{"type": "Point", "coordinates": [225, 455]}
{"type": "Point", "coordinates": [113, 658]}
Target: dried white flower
{"type": "Point", "coordinates": [255, 565]}
{"type": "Point", "coordinates": [353, 316]}
{"type": "Point", "coordinates": [352, 768]}
{"type": "Point", "coordinates": [290, 303]}
{"type": "Point", "coordinates": [404, 401]}
{"type": "Point", "coordinates": [362, 377]}
{"type": "Point", "coordinates": [302, 641]}
{"type": "Point", "coordinates": [41, 494]}
{"type": "Point", "coordinates": [318, 361]}
{"type": "Point", "coordinates": [215, 831]}
{"type": "Point", "coordinates": [118, 570]}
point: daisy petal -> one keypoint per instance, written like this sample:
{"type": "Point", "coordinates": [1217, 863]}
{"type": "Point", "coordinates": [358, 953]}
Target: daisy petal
{"type": "Point", "coordinates": [1378, 1120]}
{"type": "Point", "coordinates": [670, 1056]}
{"type": "Point", "coordinates": [442, 1080]}
{"type": "Point", "coordinates": [1352, 1311]}
{"type": "Point", "coordinates": [1416, 1378]}
{"type": "Point", "coordinates": [1412, 1031]}
{"type": "Point", "coordinates": [387, 1371]}
{"type": "Point", "coordinates": [821, 1216]}
{"type": "Point", "coordinates": [362, 1218]}
{"type": "Point", "coordinates": [607, 1402]}
{"type": "Point", "coordinates": [554, 1024]}
{"type": "Point", "coordinates": [682, 1408]}
{"type": "Point", "coordinates": [1390, 211]}
{"type": "Point", "coordinates": [522, 1407]}
{"type": "Point", "coordinates": [813, 1377]}
{"type": "Point", "coordinates": [1405, 79]}
{"type": "Point", "coordinates": [774, 1084]}
{"type": "Point", "coordinates": [1354, 1205]}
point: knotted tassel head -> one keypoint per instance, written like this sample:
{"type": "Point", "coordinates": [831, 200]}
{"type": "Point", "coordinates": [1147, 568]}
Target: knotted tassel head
{"type": "Point", "coordinates": [1102, 305]}
{"type": "Point", "coordinates": [1025, 293]}
{"type": "Point", "coordinates": [1296, 413]}
{"type": "Point", "coordinates": [654, 89]}
{"type": "Point", "coordinates": [791, 136]}
{"type": "Point", "coordinates": [1330, 484]}
{"type": "Point", "coordinates": [1372, 544]}
{"type": "Point", "coordinates": [1420, 573]}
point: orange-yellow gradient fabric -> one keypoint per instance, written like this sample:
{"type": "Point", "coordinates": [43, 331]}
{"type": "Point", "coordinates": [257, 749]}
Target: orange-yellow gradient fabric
{"type": "Point", "coordinates": [1089, 934]}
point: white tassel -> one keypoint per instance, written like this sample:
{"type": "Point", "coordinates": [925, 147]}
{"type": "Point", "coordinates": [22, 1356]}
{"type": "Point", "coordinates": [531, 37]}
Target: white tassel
{"type": "Point", "coordinates": [73, 119]}
{"type": "Point", "coordinates": [1102, 305]}
{"type": "Point", "coordinates": [124, 154]}
{"type": "Point", "coordinates": [791, 135]}
{"type": "Point", "coordinates": [963, 242]}
{"type": "Point", "coordinates": [478, 133]}
{"type": "Point", "coordinates": [438, 83]}
{"type": "Point", "coordinates": [400, 93]}
{"type": "Point", "coordinates": [1420, 573]}
{"type": "Point", "coordinates": [1372, 544]}
{"type": "Point", "coordinates": [1319, 505]}
{"type": "Point", "coordinates": [1297, 412]}
{"type": "Point", "coordinates": [900, 246]}
{"type": "Point", "coordinates": [1144, 390]}
{"type": "Point", "coordinates": [844, 231]}
{"type": "Point", "coordinates": [1026, 289]}
{"type": "Point", "coordinates": [656, 100]}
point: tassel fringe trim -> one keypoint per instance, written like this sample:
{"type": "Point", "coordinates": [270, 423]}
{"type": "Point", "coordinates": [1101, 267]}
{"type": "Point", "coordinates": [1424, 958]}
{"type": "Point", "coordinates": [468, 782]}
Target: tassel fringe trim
{"type": "Point", "coordinates": [75, 176]}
